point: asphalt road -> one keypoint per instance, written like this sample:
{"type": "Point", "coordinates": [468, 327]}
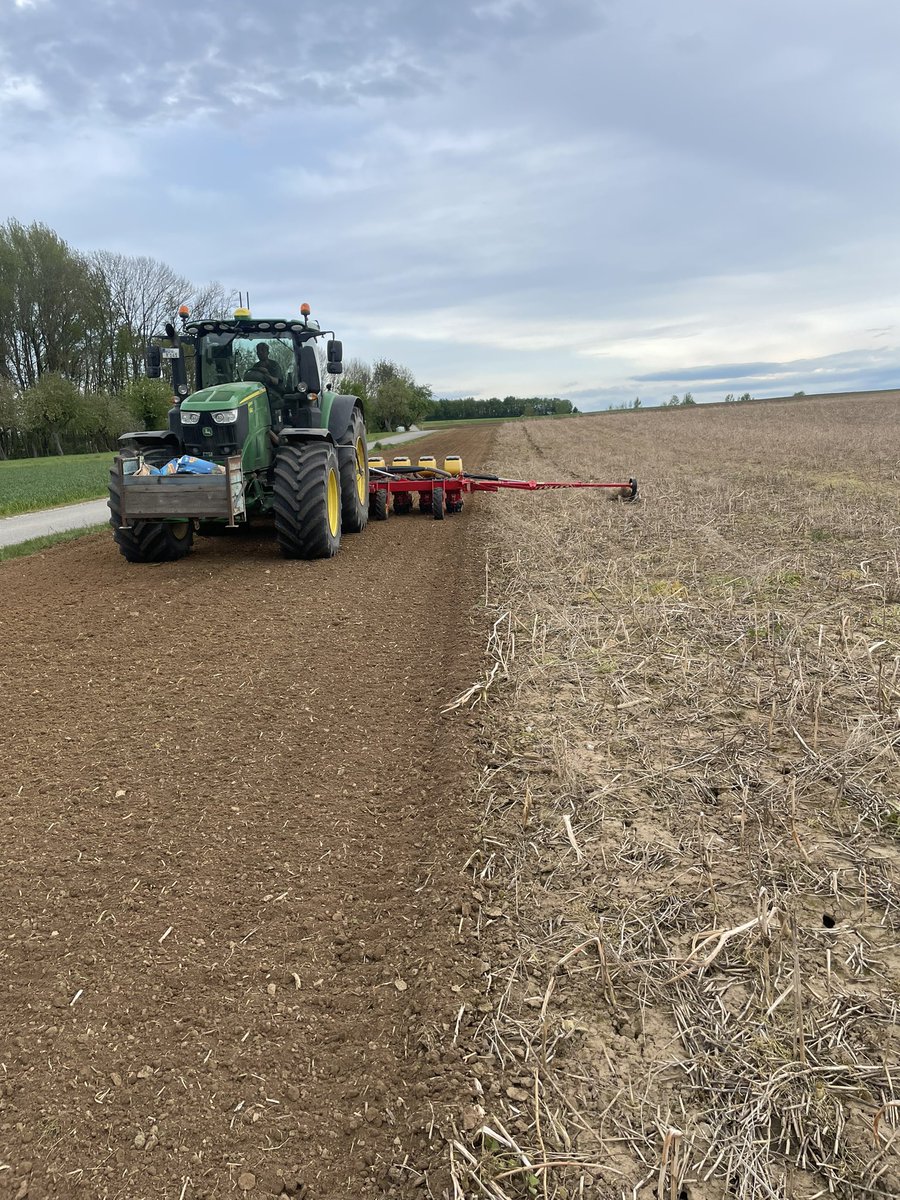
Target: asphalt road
{"type": "Point", "coordinates": [25, 526]}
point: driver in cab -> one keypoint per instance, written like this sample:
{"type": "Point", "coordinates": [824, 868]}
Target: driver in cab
{"type": "Point", "coordinates": [266, 370]}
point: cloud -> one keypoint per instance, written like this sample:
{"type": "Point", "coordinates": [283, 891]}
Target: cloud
{"type": "Point", "coordinates": [21, 91]}
{"type": "Point", "coordinates": [135, 62]}
{"type": "Point", "coordinates": [592, 198]}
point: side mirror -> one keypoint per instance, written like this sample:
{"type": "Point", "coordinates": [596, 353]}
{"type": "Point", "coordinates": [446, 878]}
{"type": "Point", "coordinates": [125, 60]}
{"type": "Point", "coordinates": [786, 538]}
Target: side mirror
{"type": "Point", "coordinates": [153, 362]}
{"type": "Point", "coordinates": [335, 355]}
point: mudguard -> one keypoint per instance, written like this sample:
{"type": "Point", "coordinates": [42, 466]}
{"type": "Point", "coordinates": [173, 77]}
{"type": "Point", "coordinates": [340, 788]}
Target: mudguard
{"type": "Point", "coordinates": [292, 434]}
{"type": "Point", "coordinates": [341, 412]}
{"type": "Point", "coordinates": [150, 439]}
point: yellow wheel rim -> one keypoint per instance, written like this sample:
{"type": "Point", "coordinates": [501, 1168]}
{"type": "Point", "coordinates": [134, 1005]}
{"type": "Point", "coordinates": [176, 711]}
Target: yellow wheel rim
{"type": "Point", "coordinates": [180, 530]}
{"type": "Point", "coordinates": [333, 502]}
{"type": "Point", "coordinates": [360, 470]}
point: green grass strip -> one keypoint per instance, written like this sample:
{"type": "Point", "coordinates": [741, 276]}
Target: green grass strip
{"type": "Point", "coordinates": [34, 545]}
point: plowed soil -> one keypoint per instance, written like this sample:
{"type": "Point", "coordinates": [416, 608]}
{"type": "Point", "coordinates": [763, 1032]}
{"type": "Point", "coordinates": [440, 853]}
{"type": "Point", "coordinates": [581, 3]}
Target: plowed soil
{"type": "Point", "coordinates": [233, 822]}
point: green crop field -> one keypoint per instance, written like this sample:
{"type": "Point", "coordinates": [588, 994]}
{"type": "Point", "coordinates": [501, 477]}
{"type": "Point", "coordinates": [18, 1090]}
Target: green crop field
{"type": "Point", "coordinates": [27, 484]}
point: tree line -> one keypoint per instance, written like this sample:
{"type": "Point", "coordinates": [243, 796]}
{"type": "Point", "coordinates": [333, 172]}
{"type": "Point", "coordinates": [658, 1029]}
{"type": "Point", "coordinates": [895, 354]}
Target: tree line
{"type": "Point", "coordinates": [676, 401]}
{"type": "Point", "coordinates": [509, 406]}
{"type": "Point", "coordinates": [73, 330]}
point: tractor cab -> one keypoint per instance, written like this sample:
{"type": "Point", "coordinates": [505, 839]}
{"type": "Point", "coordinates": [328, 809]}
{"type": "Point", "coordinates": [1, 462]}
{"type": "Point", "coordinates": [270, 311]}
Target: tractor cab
{"type": "Point", "coordinates": [278, 356]}
{"type": "Point", "coordinates": [237, 379]}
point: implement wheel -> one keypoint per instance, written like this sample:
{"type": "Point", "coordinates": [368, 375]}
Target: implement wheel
{"type": "Point", "coordinates": [146, 541]}
{"type": "Point", "coordinates": [354, 476]}
{"type": "Point", "coordinates": [307, 502]}
{"type": "Point", "coordinates": [437, 504]}
{"type": "Point", "coordinates": [379, 509]}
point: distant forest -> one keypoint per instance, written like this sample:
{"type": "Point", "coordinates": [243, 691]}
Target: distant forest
{"type": "Point", "coordinates": [509, 406]}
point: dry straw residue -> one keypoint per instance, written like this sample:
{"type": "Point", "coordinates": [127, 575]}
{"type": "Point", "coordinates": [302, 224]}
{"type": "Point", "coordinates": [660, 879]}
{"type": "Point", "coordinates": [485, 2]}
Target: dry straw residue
{"type": "Point", "coordinates": [689, 863]}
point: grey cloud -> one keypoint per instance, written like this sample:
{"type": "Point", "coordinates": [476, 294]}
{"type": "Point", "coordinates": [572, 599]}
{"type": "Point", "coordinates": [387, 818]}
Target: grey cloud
{"type": "Point", "coordinates": [827, 366]}
{"type": "Point", "coordinates": [847, 371]}
{"type": "Point", "coordinates": [729, 372]}
{"type": "Point", "coordinates": [136, 61]}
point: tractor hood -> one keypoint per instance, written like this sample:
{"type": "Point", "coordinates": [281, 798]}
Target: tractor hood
{"type": "Point", "coordinates": [223, 395]}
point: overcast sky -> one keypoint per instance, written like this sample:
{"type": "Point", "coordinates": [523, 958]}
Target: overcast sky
{"type": "Point", "coordinates": [587, 198]}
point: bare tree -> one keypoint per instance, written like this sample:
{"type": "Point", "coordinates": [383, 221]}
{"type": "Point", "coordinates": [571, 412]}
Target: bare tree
{"type": "Point", "coordinates": [212, 300]}
{"type": "Point", "coordinates": [143, 293]}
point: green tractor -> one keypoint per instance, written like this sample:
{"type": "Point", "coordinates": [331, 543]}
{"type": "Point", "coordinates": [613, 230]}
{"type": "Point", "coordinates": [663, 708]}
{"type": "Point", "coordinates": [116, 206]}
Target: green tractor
{"type": "Point", "coordinates": [251, 433]}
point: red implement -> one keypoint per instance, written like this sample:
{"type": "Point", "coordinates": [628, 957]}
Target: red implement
{"type": "Point", "coordinates": [445, 490]}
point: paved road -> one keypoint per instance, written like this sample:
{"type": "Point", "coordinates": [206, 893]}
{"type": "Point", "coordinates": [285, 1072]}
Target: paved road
{"type": "Point", "coordinates": [26, 526]}
{"type": "Point", "coordinates": [22, 528]}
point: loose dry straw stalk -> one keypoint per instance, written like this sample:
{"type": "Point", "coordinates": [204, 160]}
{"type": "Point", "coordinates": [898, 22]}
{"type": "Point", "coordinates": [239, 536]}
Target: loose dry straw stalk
{"type": "Point", "coordinates": [721, 937]}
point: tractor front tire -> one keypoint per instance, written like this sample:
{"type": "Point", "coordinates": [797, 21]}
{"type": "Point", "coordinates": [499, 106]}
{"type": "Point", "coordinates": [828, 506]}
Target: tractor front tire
{"type": "Point", "coordinates": [354, 476]}
{"type": "Point", "coordinates": [146, 541]}
{"type": "Point", "coordinates": [307, 501]}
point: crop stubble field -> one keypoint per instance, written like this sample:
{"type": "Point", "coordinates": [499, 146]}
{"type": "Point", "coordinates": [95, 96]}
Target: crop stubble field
{"type": "Point", "coordinates": [690, 777]}
{"type": "Point", "coordinates": [622, 923]}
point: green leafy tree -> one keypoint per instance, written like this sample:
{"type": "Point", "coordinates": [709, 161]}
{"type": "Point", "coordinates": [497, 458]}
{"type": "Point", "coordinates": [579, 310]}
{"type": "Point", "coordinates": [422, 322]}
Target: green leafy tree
{"type": "Point", "coordinates": [729, 399]}
{"type": "Point", "coordinates": [393, 397]}
{"type": "Point", "coordinates": [54, 407]}
{"type": "Point", "coordinates": [399, 402]}
{"type": "Point", "coordinates": [688, 400]}
{"type": "Point", "coordinates": [357, 380]}
{"type": "Point", "coordinates": [106, 418]}
{"type": "Point", "coordinates": [147, 401]}
{"type": "Point", "coordinates": [468, 408]}
{"type": "Point", "coordinates": [11, 421]}
{"type": "Point", "coordinates": [745, 396]}
{"type": "Point", "coordinates": [50, 301]}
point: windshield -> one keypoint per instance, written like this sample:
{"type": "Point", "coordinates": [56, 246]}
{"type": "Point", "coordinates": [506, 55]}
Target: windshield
{"type": "Point", "coordinates": [230, 358]}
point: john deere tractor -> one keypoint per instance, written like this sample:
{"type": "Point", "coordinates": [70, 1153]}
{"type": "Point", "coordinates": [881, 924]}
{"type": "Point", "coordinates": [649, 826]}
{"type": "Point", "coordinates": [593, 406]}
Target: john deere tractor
{"type": "Point", "coordinates": [250, 433]}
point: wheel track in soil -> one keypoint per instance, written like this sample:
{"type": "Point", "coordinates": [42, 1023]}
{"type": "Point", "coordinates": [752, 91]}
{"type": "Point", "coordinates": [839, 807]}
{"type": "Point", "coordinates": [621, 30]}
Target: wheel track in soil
{"type": "Point", "coordinates": [221, 773]}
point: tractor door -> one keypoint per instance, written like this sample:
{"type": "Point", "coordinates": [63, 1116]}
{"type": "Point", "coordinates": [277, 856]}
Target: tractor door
{"type": "Point", "coordinates": [303, 408]}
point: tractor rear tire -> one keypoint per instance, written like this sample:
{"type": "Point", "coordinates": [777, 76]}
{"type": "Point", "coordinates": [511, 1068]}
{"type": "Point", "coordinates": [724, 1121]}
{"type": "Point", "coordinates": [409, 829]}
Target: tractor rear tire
{"type": "Point", "coordinates": [379, 508]}
{"type": "Point", "coordinates": [307, 501]}
{"type": "Point", "coordinates": [146, 541]}
{"type": "Point", "coordinates": [354, 476]}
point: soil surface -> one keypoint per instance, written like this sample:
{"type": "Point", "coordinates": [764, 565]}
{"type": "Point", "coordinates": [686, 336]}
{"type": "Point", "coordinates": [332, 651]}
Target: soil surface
{"type": "Point", "coordinates": [232, 823]}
